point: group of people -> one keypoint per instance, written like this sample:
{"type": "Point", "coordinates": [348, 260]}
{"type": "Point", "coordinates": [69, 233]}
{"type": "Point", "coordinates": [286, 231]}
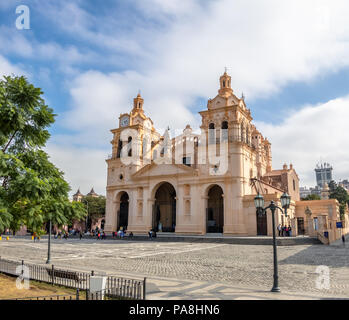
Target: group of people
{"type": "Point", "coordinates": [284, 231]}
{"type": "Point", "coordinates": [122, 233]}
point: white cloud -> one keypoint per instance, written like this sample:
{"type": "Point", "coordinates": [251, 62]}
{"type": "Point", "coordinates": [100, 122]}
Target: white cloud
{"type": "Point", "coordinates": [83, 167]}
{"type": "Point", "coordinates": [7, 68]}
{"type": "Point", "coordinates": [266, 44]}
{"type": "Point", "coordinates": [313, 133]}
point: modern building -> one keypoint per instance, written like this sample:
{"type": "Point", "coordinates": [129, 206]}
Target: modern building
{"type": "Point", "coordinates": [195, 183]}
{"type": "Point", "coordinates": [323, 173]}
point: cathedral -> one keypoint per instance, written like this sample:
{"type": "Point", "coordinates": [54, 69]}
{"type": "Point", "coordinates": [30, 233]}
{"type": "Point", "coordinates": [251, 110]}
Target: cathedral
{"type": "Point", "coordinates": [196, 182]}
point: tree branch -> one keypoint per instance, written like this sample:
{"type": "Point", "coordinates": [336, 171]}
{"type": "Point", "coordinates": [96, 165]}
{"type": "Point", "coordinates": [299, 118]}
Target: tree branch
{"type": "Point", "coordinates": [7, 145]}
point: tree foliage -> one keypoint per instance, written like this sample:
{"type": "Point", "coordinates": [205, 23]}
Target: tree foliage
{"type": "Point", "coordinates": [95, 205]}
{"type": "Point", "coordinates": [32, 189]}
{"type": "Point", "coordinates": [342, 196]}
{"type": "Point", "coordinates": [311, 197]}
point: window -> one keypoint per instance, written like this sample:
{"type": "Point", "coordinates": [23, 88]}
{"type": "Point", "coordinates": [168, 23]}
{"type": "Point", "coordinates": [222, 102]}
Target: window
{"type": "Point", "coordinates": [211, 134]}
{"type": "Point", "coordinates": [225, 130]}
{"type": "Point", "coordinates": [118, 152]}
{"type": "Point", "coordinates": [294, 185]}
{"type": "Point", "coordinates": [187, 161]}
{"type": "Point", "coordinates": [129, 146]}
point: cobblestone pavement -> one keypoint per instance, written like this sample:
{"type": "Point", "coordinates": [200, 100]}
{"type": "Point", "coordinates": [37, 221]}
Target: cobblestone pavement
{"type": "Point", "coordinates": [178, 270]}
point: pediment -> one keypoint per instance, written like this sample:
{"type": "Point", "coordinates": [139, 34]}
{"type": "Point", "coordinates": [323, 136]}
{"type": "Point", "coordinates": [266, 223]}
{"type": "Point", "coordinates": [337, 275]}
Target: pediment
{"type": "Point", "coordinates": [219, 102]}
{"type": "Point", "coordinates": [162, 170]}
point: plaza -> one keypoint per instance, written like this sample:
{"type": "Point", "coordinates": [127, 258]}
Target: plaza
{"type": "Point", "coordinates": [194, 270]}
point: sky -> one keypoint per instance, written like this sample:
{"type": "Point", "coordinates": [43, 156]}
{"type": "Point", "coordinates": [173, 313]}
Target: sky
{"type": "Point", "coordinates": [290, 59]}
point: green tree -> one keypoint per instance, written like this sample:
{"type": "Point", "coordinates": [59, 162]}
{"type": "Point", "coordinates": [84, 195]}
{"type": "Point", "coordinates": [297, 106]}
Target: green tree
{"type": "Point", "coordinates": [311, 197]}
{"type": "Point", "coordinates": [332, 186]}
{"type": "Point", "coordinates": [343, 198]}
{"type": "Point", "coordinates": [32, 189]}
{"type": "Point", "coordinates": [96, 206]}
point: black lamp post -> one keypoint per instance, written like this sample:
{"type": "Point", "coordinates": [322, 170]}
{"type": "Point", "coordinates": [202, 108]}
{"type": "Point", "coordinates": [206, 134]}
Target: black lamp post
{"type": "Point", "coordinates": [285, 202]}
{"type": "Point", "coordinates": [48, 261]}
{"type": "Point", "coordinates": [86, 222]}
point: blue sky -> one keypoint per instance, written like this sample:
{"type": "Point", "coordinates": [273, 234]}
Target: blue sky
{"type": "Point", "coordinates": [289, 58]}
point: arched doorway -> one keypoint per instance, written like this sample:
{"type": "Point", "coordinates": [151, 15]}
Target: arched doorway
{"type": "Point", "coordinates": [164, 209]}
{"type": "Point", "coordinates": [262, 226]}
{"type": "Point", "coordinates": [123, 212]}
{"type": "Point", "coordinates": [215, 210]}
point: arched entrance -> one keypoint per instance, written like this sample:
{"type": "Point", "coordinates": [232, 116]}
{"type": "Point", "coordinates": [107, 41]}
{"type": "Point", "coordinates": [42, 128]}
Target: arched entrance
{"type": "Point", "coordinates": [262, 226]}
{"type": "Point", "coordinates": [123, 212]}
{"type": "Point", "coordinates": [215, 210]}
{"type": "Point", "coordinates": [164, 209]}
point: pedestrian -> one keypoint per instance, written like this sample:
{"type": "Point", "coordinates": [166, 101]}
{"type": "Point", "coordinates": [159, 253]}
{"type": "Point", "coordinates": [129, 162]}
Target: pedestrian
{"type": "Point", "coordinates": [80, 235]}
{"type": "Point", "coordinates": [98, 236]}
{"type": "Point", "coordinates": [343, 239]}
{"type": "Point", "coordinates": [289, 231]}
{"type": "Point", "coordinates": [279, 229]}
{"type": "Point", "coordinates": [130, 235]}
{"type": "Point", "coordinates": [34, 236]}
{"type": "Point", "coordinates": [103, 235]}
{"type": "Point", "coordinates": [150, 234]}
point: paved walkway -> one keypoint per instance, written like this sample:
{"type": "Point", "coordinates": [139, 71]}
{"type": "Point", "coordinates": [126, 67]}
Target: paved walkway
{"type": "Point", "coordinates": [185, 270]}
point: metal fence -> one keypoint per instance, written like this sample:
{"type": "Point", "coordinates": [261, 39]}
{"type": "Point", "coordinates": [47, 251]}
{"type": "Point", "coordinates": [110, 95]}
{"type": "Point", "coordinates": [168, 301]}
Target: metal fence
{"type": "Point", "coordinates": [115, 286]}
{"type": "Point", "coordinates": [52, 297]}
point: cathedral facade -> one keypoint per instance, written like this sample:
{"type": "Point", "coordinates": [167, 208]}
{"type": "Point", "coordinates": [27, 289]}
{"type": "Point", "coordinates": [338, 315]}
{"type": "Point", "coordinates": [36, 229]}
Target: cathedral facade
{"type": "Point", "coordinates": [196, 182]}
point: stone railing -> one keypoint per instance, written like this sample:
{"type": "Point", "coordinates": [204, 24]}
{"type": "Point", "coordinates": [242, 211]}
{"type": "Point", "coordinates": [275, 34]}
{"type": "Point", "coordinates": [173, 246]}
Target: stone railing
{"type": "Point", "coordinates": [322, 238]}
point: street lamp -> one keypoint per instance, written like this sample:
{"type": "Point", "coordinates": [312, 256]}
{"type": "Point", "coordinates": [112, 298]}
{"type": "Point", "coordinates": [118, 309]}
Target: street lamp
{"type": "Point", "coordinates": [285, 203]}
{"type": "Point", "coordinates": [86, 216]}
{"type": "Point", "coordinates": [48, 261]}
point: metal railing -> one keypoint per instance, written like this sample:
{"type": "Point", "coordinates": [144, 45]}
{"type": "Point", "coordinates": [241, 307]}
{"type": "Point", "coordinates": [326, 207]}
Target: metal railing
{"type": "Point", "coordinates": [51, 297]}
{"type": "Point", "coordinates": [117, 287]}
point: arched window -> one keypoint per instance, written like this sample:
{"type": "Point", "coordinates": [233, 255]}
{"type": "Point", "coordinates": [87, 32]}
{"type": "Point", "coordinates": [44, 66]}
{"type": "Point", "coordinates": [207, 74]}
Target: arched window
{"type": "Point", "coordinates": [129, 146]}
{"type": "Point", "coordinates": [225, 130]}
{"type": "Point", "coordinates": [211, 133]}
{"type": "Point", "coordinates": [118, 152]}
{"type": "Point", "coordinates": [223, 83]}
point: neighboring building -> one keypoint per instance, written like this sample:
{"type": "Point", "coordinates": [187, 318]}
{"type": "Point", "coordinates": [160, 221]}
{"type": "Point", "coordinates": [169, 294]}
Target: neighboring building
{"type": "Point", "coordinates": [78, 196]}
{"type": "Point", "coordinates": [323, 173]}
{"type": "Point", "coordinates": [173, 185]}
{"type": "Point", "coordinates": [304, 191]}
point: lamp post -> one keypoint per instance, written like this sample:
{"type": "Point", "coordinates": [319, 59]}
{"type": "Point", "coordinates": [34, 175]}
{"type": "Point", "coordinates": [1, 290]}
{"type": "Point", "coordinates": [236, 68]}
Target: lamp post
{"type": "Point", "coordinates": [48, 261]}
{"type": "Point", "coordinates": [285, 202]}
{"type": "Point", "coordinates": [86, 216]}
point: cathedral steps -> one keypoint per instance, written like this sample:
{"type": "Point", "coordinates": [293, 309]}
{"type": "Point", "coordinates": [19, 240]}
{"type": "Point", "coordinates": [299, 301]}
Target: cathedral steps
{"type": "Point", "coordinates": [261, 240]}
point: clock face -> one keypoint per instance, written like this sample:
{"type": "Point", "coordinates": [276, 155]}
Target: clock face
{"type": "Point", "coordinates": [124, 121]}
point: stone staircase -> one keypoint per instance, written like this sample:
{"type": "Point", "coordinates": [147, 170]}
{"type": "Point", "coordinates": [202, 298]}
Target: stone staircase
{"type": "Point", "coordinates": [281, 241]}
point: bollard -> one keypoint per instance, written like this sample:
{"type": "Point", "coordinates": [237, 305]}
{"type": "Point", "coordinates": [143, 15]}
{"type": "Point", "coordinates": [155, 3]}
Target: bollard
{"type": "Point", "coordinates": [0, 238]}
{"type": "Point", "coordinates": [144, 288]}
{"type": "Point", "coordinates": [7, 238]}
